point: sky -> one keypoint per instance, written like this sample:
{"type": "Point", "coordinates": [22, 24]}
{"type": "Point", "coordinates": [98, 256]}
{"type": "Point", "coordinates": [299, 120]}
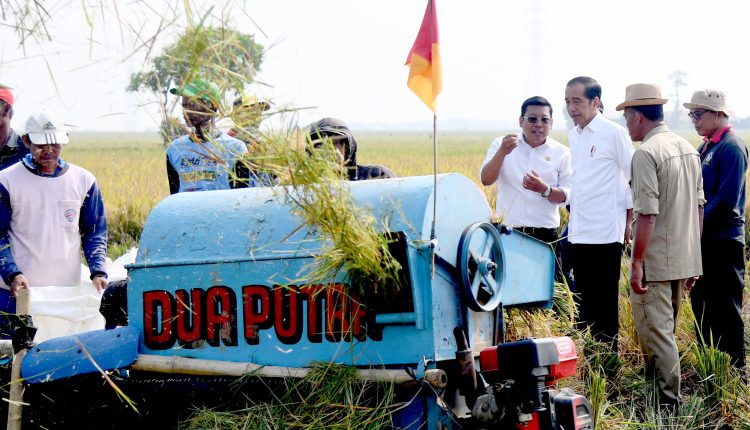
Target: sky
{"type": "Point", "coordinates": [345, 58]}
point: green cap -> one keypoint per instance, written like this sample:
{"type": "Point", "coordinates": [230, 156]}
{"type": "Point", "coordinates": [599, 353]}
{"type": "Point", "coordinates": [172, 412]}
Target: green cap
{"type": "Point", "coordinates": [199, 88]}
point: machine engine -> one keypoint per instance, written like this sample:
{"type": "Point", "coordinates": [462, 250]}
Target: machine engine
{"type": "Point", "coordinates": [521, 393]}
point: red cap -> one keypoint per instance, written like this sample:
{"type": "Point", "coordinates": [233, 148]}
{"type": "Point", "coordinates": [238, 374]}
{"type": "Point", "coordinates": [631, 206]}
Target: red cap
{"type": "Point", "coordinates": [6, 95]}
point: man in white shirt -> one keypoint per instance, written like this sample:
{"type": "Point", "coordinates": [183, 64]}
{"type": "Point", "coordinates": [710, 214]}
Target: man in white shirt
{"type": "Point", "coordinates": [532, 172]}
{"type": "Point", "coordinates": [600, 208]}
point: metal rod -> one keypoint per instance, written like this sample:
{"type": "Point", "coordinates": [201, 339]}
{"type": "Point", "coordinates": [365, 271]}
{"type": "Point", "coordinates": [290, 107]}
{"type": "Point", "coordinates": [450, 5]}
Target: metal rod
{"type": "Point", "coordinates": [195, 366]}
{"type": "Point", "coordinates": [15, 398]}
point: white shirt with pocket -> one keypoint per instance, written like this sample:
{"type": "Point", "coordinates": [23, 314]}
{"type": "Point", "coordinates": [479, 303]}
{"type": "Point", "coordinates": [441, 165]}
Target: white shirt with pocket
{"type": "Point", "coordinates": [601, 154]}
{"type": "Point", "coordinates": [519, 207]}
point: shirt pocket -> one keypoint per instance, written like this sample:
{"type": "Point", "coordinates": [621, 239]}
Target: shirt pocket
{"type": "Point", "coordinates": [69, 212]}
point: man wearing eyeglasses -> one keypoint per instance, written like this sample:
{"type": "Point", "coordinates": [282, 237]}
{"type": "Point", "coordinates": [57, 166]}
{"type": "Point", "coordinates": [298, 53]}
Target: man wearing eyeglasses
{"type": "Point", "coordinates": [532, 172]}
{"type": "Point", "coordinates": [600, 210]}
{"type": "Point", "coordinates": [717, 295]}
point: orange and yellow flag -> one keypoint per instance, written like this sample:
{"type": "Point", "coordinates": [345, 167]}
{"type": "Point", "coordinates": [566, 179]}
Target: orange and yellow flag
{"type": "Point", "coordinates": [425, 77]}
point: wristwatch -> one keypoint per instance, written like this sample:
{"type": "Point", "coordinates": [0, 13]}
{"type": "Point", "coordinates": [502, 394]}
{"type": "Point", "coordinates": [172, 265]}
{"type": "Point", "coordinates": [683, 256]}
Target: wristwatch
{"type": "Point", "coordinates": [547, 192]}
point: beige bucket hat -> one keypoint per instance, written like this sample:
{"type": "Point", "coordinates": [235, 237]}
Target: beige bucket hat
{"type": "Point", "coordinates": [642, 95]}
{"type": "Point", "coordinates": [710, 99]}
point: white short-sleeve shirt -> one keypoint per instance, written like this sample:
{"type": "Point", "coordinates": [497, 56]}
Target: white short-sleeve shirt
{"type": "Point", "coordinates": [519, 207]}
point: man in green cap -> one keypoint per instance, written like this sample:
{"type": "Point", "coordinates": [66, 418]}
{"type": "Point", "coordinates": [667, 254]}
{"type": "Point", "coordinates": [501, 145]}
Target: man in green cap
{"type": "Point", "coordinates": [205, 159]}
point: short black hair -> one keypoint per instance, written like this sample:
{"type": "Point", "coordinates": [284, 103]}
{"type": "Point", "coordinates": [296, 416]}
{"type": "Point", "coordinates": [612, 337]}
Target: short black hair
{"type": "Point", "coordinates": [591, 88]}
{"type": "Point", "coordinates": [652, 113]}
{"type": "Point", "coordinates": [535, 101]}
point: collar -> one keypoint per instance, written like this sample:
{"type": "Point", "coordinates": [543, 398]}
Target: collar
{"type": "Point", "coordinates": [594, 125]}
{"type": "Point", "coordinates": [12, 141]}
{"type": "Point", "coordinates": [716, 137]}
{"type": "Point", "coordinates": [28, 162]}
{"type": "Point", "coordinates": [522, 139]}
{"type": "Point", "coordinates": [209, 136]}
{"type": "Point", "coordinates": [654, 131]}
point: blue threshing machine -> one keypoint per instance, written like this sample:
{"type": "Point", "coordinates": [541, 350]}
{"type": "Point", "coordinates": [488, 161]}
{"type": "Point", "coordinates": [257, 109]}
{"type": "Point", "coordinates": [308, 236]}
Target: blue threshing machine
{"type": "Point", "coordinates": [219, 288]}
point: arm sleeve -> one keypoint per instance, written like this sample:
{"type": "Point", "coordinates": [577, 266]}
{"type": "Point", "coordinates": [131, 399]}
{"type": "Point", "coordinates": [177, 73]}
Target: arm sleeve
{"type": "Point", "coordinates": [173, 177]}
{"type": "Point", "coordinates": [93, 227]}
{"type": "Point", "coordinates": [8, 268]}
{"type": "Point", "coordinates": [732, 168]}
{"type": "Point", "coordinates": [645, 184]}
{"type": "Point", "coordinates": [625, 152]}
{"type": "Point", "coordinates": [494, 147]}
{"type": "Point", "coordinates": [565, 177]}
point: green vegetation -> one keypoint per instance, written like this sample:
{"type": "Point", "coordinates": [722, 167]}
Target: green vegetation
{"type": "Point", "coordinates": [330, 396]}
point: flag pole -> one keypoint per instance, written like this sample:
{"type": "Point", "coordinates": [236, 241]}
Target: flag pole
{"type": "Point", "coordinates": [433, 237]}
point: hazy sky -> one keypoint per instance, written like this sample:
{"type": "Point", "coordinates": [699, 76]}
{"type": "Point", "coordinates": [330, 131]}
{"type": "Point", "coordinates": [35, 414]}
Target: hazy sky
{"type": "Point", "coordinates": [346, 58]}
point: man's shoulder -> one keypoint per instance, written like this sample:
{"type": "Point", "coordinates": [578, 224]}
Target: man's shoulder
{"type": "Point", "coordinates": [232, 143]}
{"type": "Point", "coordinates": [606, 125]}
{"type": "Point", "coordinates": [9, 172]}
{"type": "Point", "coordinates": [179, 141]}
{"type": "Point", "coordinates": [556, 146]}
{"type": "Point", "coordinates": [732, 139]}
{"type": "Point", "coordinates": [74, 171]}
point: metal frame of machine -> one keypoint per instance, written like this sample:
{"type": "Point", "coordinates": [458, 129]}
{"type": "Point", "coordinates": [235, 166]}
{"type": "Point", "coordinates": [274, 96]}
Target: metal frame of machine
{"type": "Point", "coordinates": [218, 287]}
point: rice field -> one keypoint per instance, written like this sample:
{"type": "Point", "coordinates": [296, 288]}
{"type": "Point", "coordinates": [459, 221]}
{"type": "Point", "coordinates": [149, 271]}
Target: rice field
{"type": "Point", "coordinates": [132, 175]}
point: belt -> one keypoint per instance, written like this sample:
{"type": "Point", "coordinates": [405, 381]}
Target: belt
{"type": "Point", "coordinates": [535, 230]}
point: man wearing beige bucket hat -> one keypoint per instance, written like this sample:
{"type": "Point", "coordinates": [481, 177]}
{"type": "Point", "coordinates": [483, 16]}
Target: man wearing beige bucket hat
{"type": "Point", "coordinates": [668, 204]}
{"type": "Point", "coordinates": [717, 296]}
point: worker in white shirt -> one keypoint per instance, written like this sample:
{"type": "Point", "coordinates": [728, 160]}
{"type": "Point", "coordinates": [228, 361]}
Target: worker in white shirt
{"type": "Point", "coordinates": [532, 172]}
{"type": "Point", "coordinates": [600, 208]}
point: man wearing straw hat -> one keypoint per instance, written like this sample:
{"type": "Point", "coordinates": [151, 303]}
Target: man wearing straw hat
{"type": "Point", "coordinates": [717, 296]}
{"type": "Point", "coordinates": [668, 205]}
{"type": "Point", "coordinates": [12, 148]}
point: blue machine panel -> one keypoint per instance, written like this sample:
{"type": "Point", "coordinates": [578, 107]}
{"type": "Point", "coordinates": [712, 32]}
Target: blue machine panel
{"type": "Point", "coordinates": [80, 354]}
{"type": "Point", "coordinates": [529, 271]}
{"type": "Point", "coordinates": [223, 275]}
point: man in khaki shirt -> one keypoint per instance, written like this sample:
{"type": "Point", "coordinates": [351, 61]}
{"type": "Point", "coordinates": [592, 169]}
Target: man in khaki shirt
{"type": "Point", "coordinates": [668, 198]}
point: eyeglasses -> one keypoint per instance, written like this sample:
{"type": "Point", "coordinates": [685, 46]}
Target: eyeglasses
{"type": "Point", "coordinates": [697, 114]}
{"type": "Point", "coordinates": [535, 119]}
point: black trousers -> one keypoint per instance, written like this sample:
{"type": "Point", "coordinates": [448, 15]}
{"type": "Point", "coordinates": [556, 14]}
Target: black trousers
{"type": "Point", "coordinates": [596, 268]}
{"type": "Point", "coordinates": [717, 298]}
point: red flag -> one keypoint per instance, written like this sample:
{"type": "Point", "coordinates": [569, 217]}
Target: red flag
{"type": "Point", "coordinates": [425, 77]}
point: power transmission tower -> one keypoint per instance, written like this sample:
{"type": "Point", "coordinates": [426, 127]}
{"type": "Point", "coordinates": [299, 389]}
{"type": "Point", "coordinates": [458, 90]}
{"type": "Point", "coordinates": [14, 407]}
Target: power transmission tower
{"type": "Point", "coordinates": [678, 81]}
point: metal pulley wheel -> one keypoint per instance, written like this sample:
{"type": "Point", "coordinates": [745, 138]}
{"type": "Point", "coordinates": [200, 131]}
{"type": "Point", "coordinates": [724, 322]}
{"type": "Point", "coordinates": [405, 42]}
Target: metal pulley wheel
{"type": "Point", "coordinates": [480, 266]}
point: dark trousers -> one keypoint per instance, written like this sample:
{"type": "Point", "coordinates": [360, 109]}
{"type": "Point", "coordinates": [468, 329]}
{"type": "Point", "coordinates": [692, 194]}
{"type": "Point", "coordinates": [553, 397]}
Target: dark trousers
{"type": "Point", "coordinates": [547, 235]}
{"type": "Point", "coordinates": [717, 298]}
{"type": "Point", "coordinates": [596, 269]}
{"type": "Point", "coordinates": [7, 312]}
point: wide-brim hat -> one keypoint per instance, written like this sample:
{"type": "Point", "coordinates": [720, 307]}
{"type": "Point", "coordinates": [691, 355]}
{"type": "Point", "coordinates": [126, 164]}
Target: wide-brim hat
{"type": "Point", "coordinates": [249, 100]}
{"type": "Point", "coordinates": [642, 95]}
{"type": "Point", "coordinates": [46, 128]}
{"type": "Point", "coordinates": [710, 99]}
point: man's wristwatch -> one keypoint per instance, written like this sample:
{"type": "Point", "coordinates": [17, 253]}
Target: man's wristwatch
{"type": "Point", "coordinates": [547, 192]}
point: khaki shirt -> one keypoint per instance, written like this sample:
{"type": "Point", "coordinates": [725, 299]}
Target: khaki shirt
{"type": "Point", "coordinates": [667, 182]}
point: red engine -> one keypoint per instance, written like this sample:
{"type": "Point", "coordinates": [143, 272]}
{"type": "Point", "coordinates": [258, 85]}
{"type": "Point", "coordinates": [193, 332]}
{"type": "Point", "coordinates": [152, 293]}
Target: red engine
{"type": "Point", "coordinates": [522, 393]}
